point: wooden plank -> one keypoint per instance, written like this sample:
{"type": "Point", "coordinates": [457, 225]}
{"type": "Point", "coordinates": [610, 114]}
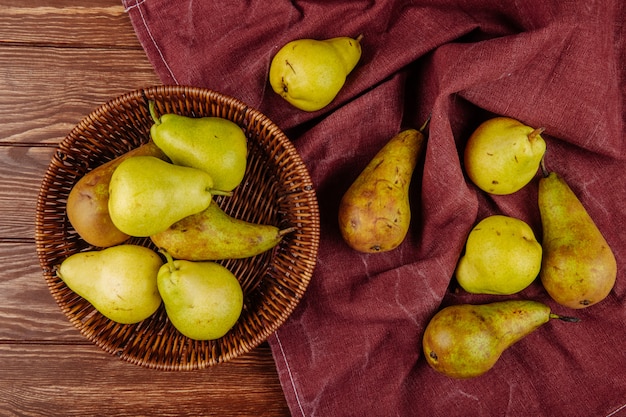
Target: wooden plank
{"type": "Point", "coordinates": [65, 23]}
{"type": "Point", "coordinates": [27, 309]}
{"type": "Point", "coordinates": [45, 92]}
{"type": "Point", "coordinates": [81, 380]}
{"type": "Point", "coordinates": [21, 171]}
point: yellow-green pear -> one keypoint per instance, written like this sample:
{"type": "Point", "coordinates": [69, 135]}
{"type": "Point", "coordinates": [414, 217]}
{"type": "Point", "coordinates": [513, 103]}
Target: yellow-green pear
{"type": "Point", "coordinates": [212, 235]}
{"type": "Point", "coordinates": [502, 155]}
{"type": "Point", "coordinates": [203, 300]}
{"type": "Point", "coordinates": [375, 213]}
{"type": "Point", "coordinates": [309, 73]}
{"type": "Point", "coordinates": [212, 144]}
{"type": "Point", "coordinates": [579, 268]}
{"type": "Point", "coordinates": [465, 341]}
{"type": "Point", "coordinates": [119, 281]}
{"type": "Point", "coordinates": [88, 201]}
{"type": "Point", "coordinates": [147, 195]}
{"type": "Point", "coordinates": [502, 256]}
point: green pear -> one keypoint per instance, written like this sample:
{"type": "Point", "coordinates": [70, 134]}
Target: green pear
{"type": "Point", "coordinates": [147, 195]}
{"type": "Point", "coordinates": [501, 256]}
{"type": "Point", "coordinates": [212, 235]}
{"type": "Point", "coordinates": [88, 201]}
{"type": "Point", "coordinates": [212, 144]}
{"type": "Point", "coordinates": [502, 155]}
{"type": "Point", "coordinates": [374, 213]}
{"type": "Point", "coordinates": [309, 73]}
{"type": "Point", "coordinates": [579, 268]}
{"type": "Point", "coordinates": [120, 281]}
{"type": "Point", "coordinates": [203, 300]}
{"type": "Point", "coordinates": [465, 341]}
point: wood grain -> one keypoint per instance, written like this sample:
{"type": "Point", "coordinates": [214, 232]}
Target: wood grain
{"type": "Point", "coordinates": [97, 23]}
{"type": "Point", "coordinates": [58, 61]}
{"type": "Point", "coordinates": [79, 380]}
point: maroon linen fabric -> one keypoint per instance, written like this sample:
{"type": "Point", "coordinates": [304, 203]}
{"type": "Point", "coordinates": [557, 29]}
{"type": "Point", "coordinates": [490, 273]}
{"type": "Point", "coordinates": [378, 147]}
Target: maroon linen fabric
{"type": "Point", "coordinates": [353, 345]}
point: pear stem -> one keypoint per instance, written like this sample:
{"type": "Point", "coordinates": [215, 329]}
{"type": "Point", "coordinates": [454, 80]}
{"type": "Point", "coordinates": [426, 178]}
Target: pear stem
{"type": "Point", "coordinates": [220, 192]}
{"type": "Point", "coordinates": [421, 129]}
{"type": "Point", "coordinates": [169, 259]}
{"type": "Point", "coordinates": [358, 38]}
{"type": "Point", "coordinates": [533, 135]}
{"type": "Point", "coordinates": [152, 108]}
{"type": "Point", "coordinates": [564, 318]}
{"type": "Point", "coordinates": [286, 231]}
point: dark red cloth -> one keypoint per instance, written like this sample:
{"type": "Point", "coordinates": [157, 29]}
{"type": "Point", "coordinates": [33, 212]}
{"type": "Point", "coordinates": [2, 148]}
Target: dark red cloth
{"type": "Point", "coordinates": [353, 345]}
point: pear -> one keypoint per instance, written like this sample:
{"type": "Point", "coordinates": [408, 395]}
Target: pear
{"type": "Point", "coordinates": [579, 268]}
{"type": "Point", "coordinates": [465, 341]}
{"type": "Point", "coordinates": [501, 256]}
{"type": "Point", "coordinates": [148, 195]}
{"type": "Point", "coordinates": [120, 281]}
{"type": "Point", "coordinates": [212, 235]}
{"type": "Point", "coordinates": [203, 300]}
{"type": "Point", "coordinates": [212, 144]}
{"type": "Point", "coordinates": [374, 213]}
{"type": "Point", "coordinates": [309, 73]}
{"type": "Point", "coordinates": [502, 155]}
{"type": "Point", "coordinates": [88, 201]}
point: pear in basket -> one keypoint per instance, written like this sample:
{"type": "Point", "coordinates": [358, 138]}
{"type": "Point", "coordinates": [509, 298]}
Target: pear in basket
{"type": "Point", "coordinates": [147, 195]}
{"type": "Point", "coordinates": [212, 144]}
{"type": "Point", "coordinates": [203, 300]}
{"type": "Point", "coordinates": [120, 281]}
{"type": "Point", "coordinates": [88, 202]}
{"type": "Point", "coordinates": [212, 235]}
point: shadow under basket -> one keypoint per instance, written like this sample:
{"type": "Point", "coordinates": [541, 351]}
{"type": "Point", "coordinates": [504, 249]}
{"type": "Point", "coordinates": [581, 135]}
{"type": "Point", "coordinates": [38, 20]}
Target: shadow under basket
{"type": "Point", "coordinates": [276, 189]}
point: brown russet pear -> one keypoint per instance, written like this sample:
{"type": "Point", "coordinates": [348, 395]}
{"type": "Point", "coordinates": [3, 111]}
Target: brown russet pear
{"type": "Point", "coordinates": [212, 235]}
{"type": "Point", "coordinates": [465, 341]}
{"type": "Point", "coordinates": [375, 213]}
{"type": "Point", "coordinates": [87, 203]}
{"type": "Point", "coordinates": [119, 281]}
{"type": "Point", "coordinates": [578, 267]}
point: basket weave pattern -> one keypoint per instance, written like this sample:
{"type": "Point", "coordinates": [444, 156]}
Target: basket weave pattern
{"type": "Point", "coordinates": [276, 190]}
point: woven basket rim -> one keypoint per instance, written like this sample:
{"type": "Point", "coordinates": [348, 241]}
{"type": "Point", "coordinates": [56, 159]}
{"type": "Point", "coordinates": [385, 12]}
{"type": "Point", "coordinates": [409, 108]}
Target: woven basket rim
{"type": "Point", "coordinates": [289, 268]}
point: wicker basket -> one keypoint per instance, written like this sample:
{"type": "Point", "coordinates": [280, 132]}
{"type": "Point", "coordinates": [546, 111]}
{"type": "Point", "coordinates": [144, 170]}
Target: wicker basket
{"type": "Point", "coordinates": [276, 189]}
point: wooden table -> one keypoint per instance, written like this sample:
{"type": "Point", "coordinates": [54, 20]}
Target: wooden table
{"type": "Point", "coordinates": [59, 60]}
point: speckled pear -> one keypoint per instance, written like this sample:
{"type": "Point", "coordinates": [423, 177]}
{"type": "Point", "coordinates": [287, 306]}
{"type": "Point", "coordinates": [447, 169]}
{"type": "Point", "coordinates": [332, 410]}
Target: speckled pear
{"type": "Point", "coordinates": [465, 341]}
{"type": "Point", "coordinates": [375, 213]}
{"type": "Point", "coordinates": [213, 235]}
{"type": "Point", "coordinates": [309, 73]}
{"type": "Point", "coordinates": [578, 268]}
{"type": "Point", "coordinates": [502, 155]}
{"type": "Point", "coordinates": [501, 256]}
